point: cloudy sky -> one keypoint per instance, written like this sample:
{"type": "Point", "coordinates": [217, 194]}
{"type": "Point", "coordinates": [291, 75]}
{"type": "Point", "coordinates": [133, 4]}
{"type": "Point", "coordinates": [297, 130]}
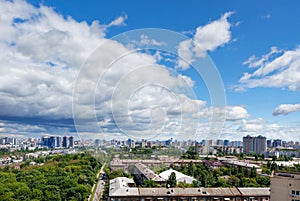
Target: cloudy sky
{"type": "Point", "coordinates": [96, 70]}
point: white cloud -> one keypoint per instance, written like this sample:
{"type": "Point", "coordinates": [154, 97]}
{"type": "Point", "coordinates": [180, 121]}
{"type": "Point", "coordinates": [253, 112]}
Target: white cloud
{"type": "Point", "coordinates": [234, 113]}
{"type": "Point", "coordinates": [277, 69]}
{"type": "Point", "coordinates": [119, 21]}
{"type": "Point", "coordinates": [285, 109]}
{"type": "Point", "coordinates": [254, 62]}
{"type": "Point", "coordinates": [259, 126]}
{"type": "Point", "coordinates": [145, 40]}
{"type": "Point", "coordinates": [213, 35]}
{"type": "Point", "coordinates": [41, 56]}
{"type": "Point", "coordinates": [207, 38]}
{"type": "Point", "coordinates": [186, 54]}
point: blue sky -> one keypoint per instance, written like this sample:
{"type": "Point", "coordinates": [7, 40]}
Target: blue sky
{"type": "Point", "coordinates": [253, 44]}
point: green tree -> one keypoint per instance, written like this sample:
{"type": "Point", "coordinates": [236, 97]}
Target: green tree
{"type": "Point", "coordinates": [51, 192]}
{"type": "Point", "coordinates": [150, 184]}
{"type": "Point", "coordinates": [172, 182]}
{"type": "Point", "coordinates": [274, 166]}
{"type": "Point", "coordinates": [253, 172]}
{"type": "Point", "coordinates": [233, 180]}
{"type": "Point", "coordinates": [191, 169]}
{"type": "Point", "coordinates": [221, 183]}
{"type": "Point", "coordinates": [263, 181]}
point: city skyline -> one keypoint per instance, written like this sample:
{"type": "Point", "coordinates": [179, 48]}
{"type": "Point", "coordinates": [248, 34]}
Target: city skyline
{"type": "Point", "coordinates": [47, 45]}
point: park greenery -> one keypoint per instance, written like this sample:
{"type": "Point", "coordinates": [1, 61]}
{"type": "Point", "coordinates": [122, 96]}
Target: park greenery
{"type": "Point", "coordinates": [224, 176]}
{"type": "Point", "coordinates": [61, 177]}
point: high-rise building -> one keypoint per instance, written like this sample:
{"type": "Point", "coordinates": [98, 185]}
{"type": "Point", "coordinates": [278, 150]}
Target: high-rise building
{"type": "Point", "coordinates": [97, 142]}
{"type": "Point", "coordinates": [257, 144]}
{"type": "Point", "coordinates": [220, 142]}
{"type": "Point", "coordinates": [248, 144]}
{"type": "Point", "coordinates": [226, 142]}
{"type": "Point", "coordinates": [71, 141]}
{"type": "Point", "coordinates": [45, 141]}
{"type": "Point", "coordinates": [58, 141]}
{"type": "Point", "coordinates": [260, 144]}
{"type": "Point", "coordinates": [277, 143]}
{"type": "Point", "coordinates": [51, 142]}
{"type": "Point", "coordinates": [65, 142]}
{"type": "Point", "coordinates": [269, 143]}
{"type": "Point", "coordinates": [236, 143]}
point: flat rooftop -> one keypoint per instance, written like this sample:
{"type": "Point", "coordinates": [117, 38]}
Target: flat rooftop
{"type": "Point", "coordinates": [120, 188]}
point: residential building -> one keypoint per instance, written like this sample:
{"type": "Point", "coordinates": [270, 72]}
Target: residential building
{"type": "Point", "coordinates": [260, 144]}
{"type": "Point", "coordinates": [257, 144]}
{"type": "Point", "coordinates": [248, 144]}
{"type": "Point", "coordinates": [121, 189]}
{"type": "Point", "coordinates": [142, 173]}
{"type": "Point", "coordinates": [285, 186]}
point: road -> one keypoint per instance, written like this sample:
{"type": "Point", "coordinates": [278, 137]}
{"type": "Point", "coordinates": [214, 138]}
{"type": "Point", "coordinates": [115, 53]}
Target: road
{"type": "Point", "coordinates": [100, 184]}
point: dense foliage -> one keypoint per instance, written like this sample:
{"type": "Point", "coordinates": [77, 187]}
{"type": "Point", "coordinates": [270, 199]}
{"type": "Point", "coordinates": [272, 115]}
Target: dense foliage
{"type": "Point", "coordinates": [222, 177]}
{"type": "Point", "coordinates": [60, 178]}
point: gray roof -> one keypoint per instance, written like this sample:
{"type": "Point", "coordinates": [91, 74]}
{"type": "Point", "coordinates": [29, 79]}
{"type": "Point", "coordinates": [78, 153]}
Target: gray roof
{"type": "Point", "coordinates": [148, 173]}
{"type": "Point", "coordinates": [119, 188]}
{"type": "Point", "coordinates": [254, 191]}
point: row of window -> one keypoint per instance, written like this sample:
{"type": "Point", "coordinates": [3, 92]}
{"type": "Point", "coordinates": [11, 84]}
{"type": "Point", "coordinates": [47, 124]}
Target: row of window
{"type": "Point", "coordinates": [191, 199]}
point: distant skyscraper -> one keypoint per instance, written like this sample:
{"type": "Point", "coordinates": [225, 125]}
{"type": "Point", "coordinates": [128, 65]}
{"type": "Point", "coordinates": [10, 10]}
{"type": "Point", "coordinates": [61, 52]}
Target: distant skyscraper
{"type": "Point", "coordinates": [269, 143]}
{"type": "Point", "coordinates": [226, 142]}
{"type": "Point", "coordinates": [257, 144]}
{"type": "Point", "coordinates": [97, 142]}
{"type": "Point", "coordinates": [220, 142]}
{"type": "Point", "coordinates": [236, 143]}
{"type": "Point", "coordinates": [248, 144]}
{"type": "Point", "coordinates": [45, 141]}
{"type": "Point", "coordinates": [51, 142]}
{"type": "Point", "coordinates": [71, 142]}
{"type": "Point", "coordinates": [260, 144]}
{"type": "Point", "coordinates": [65, 142]}
{"type": "Point", "coordinates": [58, 141]}
{"type": "Point", "coordinates": [277, 143]}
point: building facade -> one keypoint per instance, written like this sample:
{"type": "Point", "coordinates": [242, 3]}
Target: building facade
{"type": "Point", "coordinates": [257, 144]}
{"type": "Point", "coordinates": [285, 187]}
{"type": "Point", "coordinates": [121, 189]}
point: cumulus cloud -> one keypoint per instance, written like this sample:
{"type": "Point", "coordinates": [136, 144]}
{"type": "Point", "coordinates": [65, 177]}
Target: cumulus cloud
{"type": "Point", "coordinates": [207, 38]}
{"type": "Point", "coordinates": [285, 109]}
{"type": "Point", "coordinates": [42, 52]}
{"type": "Point", "coordinates": [276, 69]}
{"type": "Point", "coordinates": [234, 113]}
